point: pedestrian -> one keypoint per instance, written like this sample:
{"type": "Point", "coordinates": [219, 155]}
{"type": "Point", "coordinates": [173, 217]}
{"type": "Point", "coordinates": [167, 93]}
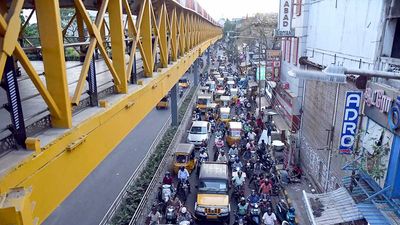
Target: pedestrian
{"type": "Point", "coordinates": [154, 217]}
{"type": "Point", "coordinates": [269, 218]}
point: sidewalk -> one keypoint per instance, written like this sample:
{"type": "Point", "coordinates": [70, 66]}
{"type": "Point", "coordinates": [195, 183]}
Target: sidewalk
{"type": "Point", "coordinates": [294, 192]}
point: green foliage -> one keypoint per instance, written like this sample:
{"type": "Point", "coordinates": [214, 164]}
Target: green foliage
{"type": "Point", "coordinates": [229, 26]}
{"type": "Point", "coordinates": [135, 192]}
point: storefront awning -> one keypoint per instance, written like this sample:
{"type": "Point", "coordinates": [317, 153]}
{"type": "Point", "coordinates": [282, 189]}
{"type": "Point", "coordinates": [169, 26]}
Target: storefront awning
{"type": "Point", "coordinates": [331, 208]}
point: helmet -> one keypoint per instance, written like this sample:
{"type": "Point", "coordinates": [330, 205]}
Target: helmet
{"type": "Point", "coordinates": [242, 199]}
{"type": "Point", "coordinates": [253, 192]}
{"type": "Point", "coordinates": [291, 210]}
{"type": "Point", "coordinates": [182, 168]}
{"type": "Point", "coordinates": [167, 173]}
{"type": "Point", "coordinates": [183, 210]}
{"type": "Point", "coordinates": [237, 159]}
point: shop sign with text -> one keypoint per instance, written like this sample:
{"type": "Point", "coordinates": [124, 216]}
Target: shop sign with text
{"type": "Point", "coordinates": [285, 20]}
{"type": "Point", "coordinates": [382, 104]}
{"type": "Point", "coordinates": [350, 121]}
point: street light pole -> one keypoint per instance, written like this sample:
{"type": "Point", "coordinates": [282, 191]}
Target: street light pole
{"type": "Point", "coordinates": [259, 79]}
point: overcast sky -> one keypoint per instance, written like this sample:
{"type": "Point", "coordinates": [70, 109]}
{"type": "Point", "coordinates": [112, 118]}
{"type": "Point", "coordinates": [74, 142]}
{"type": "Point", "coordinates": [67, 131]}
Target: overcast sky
{"type": "Point", "coordinates": [238, 8]}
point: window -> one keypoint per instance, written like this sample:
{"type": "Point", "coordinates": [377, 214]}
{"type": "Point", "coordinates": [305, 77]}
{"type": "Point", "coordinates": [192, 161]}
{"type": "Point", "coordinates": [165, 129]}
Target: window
{"type": "Point", "coordinates": [295, 50]}
{"type": "Point", "coordinates": [298, 7]}
{"type": "Point", "coordinates": [288, 49]}
{"type": "Point", "coordinates": [181, 158]}
{"type": "Point", "coordinates": [396, 42]}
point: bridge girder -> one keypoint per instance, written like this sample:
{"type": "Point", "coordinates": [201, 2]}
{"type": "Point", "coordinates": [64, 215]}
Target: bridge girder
{"type": "Point", "coordinates": [61, 158]}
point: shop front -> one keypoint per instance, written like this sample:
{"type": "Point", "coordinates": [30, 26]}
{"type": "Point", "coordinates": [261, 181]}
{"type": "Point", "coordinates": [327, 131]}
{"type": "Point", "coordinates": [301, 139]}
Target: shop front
{"type": "Point", "coordinates": [380, 131]}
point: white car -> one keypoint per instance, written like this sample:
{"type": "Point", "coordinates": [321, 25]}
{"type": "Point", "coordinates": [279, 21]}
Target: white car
{"type": "Point", "coordinates": [199, 131]}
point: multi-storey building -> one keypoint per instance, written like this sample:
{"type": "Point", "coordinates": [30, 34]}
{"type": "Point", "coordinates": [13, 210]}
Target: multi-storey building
{"type": "Point", "coordinates": [360, 35]}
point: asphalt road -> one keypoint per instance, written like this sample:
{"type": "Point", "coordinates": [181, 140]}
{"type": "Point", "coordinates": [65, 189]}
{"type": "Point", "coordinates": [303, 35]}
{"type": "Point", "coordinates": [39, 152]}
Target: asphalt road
{"type": "Point", "coordinates": [88, 203]}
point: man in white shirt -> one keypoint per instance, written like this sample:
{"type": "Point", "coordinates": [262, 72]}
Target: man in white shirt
{"type": "Point", "coordinates": [269, 217]}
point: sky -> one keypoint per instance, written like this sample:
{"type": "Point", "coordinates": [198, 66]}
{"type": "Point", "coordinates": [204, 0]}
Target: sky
{"type": "Point", "coordinates": [238, 8]}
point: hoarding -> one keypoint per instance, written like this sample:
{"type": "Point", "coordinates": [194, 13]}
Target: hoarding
{"type": "Point", "coordinates": [350, 121]}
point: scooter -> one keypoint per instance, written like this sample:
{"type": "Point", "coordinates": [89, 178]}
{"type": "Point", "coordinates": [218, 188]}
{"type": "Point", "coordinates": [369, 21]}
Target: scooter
{"type": "Point", "coordinates": [170, 215]}
{"type": "Point", "coordinates": [240, 220]}
{"type": "Point", "coordinates": [281, 210]}
{"type": "Point", "coordinates": [255, 215]}
{"type": "Point", "coordinates": [291, 217]}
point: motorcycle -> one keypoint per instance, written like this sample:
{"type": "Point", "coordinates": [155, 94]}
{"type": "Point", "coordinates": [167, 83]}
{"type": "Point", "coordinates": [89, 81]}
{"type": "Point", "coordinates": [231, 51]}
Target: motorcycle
{"type": "Point", "coordinates": [199, 163]}
{"type": "Point", "coordinates": [291, 217]}
{"type": "Point", "coordinates": [180, 93]}
{"type": "Point", "coordinates": [170, 215]}
{"type": "Point", "coordinates": [281, 210]}
{"type": "Point", "coordinates": [240, 220]}
{"type": "Point", "coordinates": [212, 122]}
{"type": "Point", "coordinates": [196, 116]}
{"type": "Point", "coordinates": [255, 215]}
{"type": "Point", "coordinates": [183, 190]}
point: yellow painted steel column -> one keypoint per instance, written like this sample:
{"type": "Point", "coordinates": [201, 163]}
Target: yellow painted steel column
{"type": "Point", "coordinates": [117, 43]}
{"type": "Point", "coordinates": [146, 33]}
{"type": "Point", "coordinates": [163, 36]}
{"type": "Point", "coordinates": [174, 35]}
{"type": "Point", "coordinates": [49, 25]}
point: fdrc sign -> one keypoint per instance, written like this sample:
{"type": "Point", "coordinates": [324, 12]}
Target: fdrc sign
{"type": "Point", "coordinates": [350, 121]}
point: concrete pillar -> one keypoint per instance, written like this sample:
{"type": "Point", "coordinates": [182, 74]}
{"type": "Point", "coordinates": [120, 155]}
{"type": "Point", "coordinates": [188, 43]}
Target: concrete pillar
{"type": "Point", "coordinates": [174, 105]}
{"type": "Point", "coordinates": [209, 56]}
{"type": "Point", "coordinates": [196, 74]}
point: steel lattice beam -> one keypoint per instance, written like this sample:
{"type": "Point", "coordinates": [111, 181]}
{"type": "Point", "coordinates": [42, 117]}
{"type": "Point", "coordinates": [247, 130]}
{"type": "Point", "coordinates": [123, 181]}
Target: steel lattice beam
{"type": "Point", "coordinates": [180, 35]}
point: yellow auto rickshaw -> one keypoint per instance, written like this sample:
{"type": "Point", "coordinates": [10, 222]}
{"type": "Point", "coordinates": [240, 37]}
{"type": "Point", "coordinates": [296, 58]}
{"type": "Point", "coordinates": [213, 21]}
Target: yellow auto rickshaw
{"type": "Point", "coordinates": [184, 156]}
{"type": "Point", "coordinates": [184, 83]}
{"type": "Point", "coordinates": [203, 100]}
{"type": "Point", "coordinates": [234, 133]}
{"type": "Point", "coordinates": [163, 103]}
{"type": "Point", "coordinates": [225, 114]}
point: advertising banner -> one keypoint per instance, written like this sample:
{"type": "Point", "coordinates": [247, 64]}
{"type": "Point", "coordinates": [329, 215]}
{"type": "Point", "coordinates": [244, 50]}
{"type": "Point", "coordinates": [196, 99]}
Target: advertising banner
{"type": "Point", "coordinates": [350, 121]}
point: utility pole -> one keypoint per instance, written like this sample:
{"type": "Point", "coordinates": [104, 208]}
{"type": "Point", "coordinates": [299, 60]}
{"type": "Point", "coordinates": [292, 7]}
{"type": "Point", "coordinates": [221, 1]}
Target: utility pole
{"type": "Point", "coordinates": [330, 140]}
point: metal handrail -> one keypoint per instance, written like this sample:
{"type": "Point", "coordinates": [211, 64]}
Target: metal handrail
{"type": "Point", "coordinates": [140, 209]}
{"type": "Point", "coordinates": [117, 202]}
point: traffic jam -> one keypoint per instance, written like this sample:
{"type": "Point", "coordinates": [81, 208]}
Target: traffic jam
{"type": "Point", "coordinates": [225, 169]}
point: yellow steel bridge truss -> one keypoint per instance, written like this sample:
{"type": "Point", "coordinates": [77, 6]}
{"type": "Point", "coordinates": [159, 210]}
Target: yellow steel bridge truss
{"type": "Point", "coordinates": [33, 187]}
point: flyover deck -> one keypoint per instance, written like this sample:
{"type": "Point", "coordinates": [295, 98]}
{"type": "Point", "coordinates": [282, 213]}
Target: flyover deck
{"type": "Point", "coordinates": [35, 109]}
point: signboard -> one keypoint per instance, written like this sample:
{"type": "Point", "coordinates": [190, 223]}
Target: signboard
{"type": "Point", "coordinates": [350, 121]}
{"type": "Point", "coordinates": [382, 104]}
{"type": "Point", "coordinates": [285, 20]}
{"type": "Point", "coordinates": [262, 68]}
{"type": "Point", "coordinates": [273, 63]}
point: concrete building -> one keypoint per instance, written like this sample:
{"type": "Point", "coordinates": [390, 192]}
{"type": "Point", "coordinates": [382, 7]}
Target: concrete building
{"type": "Point", "coordinates": [357, 34]}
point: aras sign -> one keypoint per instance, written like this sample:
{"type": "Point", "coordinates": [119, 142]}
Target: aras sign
{"type": "Point", "coordinates": [350, 121]}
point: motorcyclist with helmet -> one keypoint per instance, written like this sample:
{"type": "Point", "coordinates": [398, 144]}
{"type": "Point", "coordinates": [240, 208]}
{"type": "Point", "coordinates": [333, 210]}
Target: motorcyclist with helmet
{"type": "Point", "coordinates": [243, 208]}
{"type": "Point", "coordinates": [253, 198]}
{"type": "Point", "coordinates": [184, 215]}
{"type": "Point", "coordinates": [183, 177]}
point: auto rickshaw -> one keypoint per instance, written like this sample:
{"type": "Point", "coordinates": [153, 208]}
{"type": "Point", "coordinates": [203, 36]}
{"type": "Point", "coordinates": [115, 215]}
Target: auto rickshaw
{"type": "Point", "coordinates": [211, 85]}
{"type": "Point", "coordinates": [203, 100]}
{"type": "Point", "coordinates": [163, 103]}
{"type": "Point", "coordinates": [217, 96]}
{"type": "Point", "coordinates": [184, 156]}
{"type": "Point", "coordinates": [225, 114]}
{"type": "Point", "coordinates": [225, 101]}
{"type": "Point", "coordinates": [234, 133]}
{"type": "Point", "coordinates": [184, 83]}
